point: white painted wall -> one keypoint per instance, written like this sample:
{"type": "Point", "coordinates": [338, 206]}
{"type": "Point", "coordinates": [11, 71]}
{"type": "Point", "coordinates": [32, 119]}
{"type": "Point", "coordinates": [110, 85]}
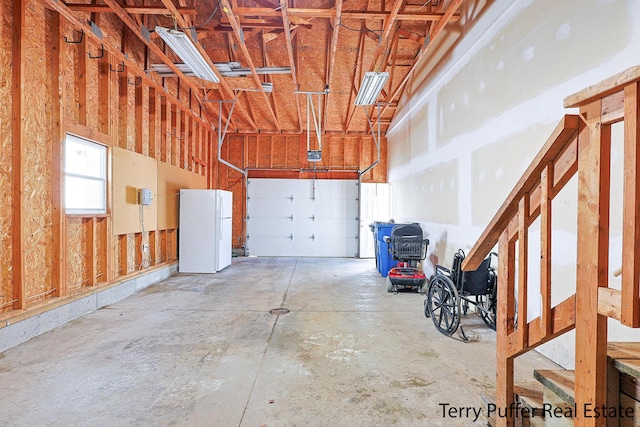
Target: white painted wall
{"type": "Point", "coordinates": [477, 112]}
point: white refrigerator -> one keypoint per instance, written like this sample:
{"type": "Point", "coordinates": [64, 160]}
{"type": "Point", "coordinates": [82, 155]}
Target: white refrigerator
{"type": "Point", "coordinates": [205, 231]}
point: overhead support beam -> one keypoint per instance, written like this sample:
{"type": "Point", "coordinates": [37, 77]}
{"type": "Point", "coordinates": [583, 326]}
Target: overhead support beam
{"type": "Point", "coordinates": [130, 9]}
{"type": "Point", "coordinates": [389, 25]}
{"type": "Point", "coordinates": [332, 13]}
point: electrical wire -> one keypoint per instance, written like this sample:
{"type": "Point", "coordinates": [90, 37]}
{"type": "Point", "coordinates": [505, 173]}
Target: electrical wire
{"type": "Point", "coordinates": [194, 27]}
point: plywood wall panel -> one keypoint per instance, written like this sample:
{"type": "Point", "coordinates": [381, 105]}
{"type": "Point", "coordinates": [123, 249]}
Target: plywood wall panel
{"type": "Point", "coordinates": [37, 204]}
{"type": "Point", "coordinates": [352, 152]}
{"type": "Point", "coordinates": [69, 66]}
{"type": "Point", "coordinates": [279, 151]}
{"type": "Point", "coordinates": [336, 151]}
{"type": "Point", "coordinates": [131, 172]}
{"type": "Point", "coordinates": [293, 151]}
{"type": "Point", "coordinates": [251, 147]}
{"type": "Point", "coordinates": [264, 151]}
{"type": "Point", "coordinates": [170, 180]}
{"type": "Point", "coordinates": [91, 90]}
{"type": "Point", "coordinates": [75, 253]}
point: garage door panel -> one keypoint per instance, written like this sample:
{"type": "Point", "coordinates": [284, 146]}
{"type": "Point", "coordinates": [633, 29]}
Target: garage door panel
{"type": "Point", "coordinates": [271, 246]}
{"type": "Point", "coordinates": [268, 188]}
{"type": "Point", "coordinates": [338, 209]}
{"type": "Point", "coordinates": [336, 189]}
{"type": "Point", "coordinates": [333, 228]}
{"type": "Point", "coordinates": [270, 227]}
{"type": "Point", "coordinates": [274, 208]}
{"type": "Point", "coordinates": [302, 217]}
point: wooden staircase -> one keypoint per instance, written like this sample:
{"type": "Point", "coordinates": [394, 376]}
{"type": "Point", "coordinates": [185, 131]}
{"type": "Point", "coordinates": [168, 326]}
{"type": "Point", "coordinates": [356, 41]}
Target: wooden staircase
{"type": "Point", "coordinates": [554, 405]}
{"type": "Point", "coordinates": [579, 146]}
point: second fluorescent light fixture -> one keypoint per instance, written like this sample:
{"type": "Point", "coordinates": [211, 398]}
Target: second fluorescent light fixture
{"type": "Point", "coordinates": [182, 45]}
{"type": "Point", "coordinates": [371, 87]}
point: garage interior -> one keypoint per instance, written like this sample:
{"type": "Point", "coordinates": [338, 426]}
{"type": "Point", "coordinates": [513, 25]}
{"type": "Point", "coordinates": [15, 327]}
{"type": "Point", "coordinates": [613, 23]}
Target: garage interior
{"type": "Point", "coordinates": [506, 125]}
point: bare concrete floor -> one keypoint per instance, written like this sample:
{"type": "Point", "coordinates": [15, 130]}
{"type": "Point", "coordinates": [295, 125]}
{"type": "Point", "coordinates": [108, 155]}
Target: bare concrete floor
{"type": "Point", "coordinates": [203, 350]}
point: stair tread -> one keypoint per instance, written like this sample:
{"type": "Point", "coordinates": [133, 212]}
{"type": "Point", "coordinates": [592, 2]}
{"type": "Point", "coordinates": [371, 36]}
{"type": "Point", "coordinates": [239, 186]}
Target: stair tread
{"type": "Point", "coordinates": [625, 356]}
{"type": "Point", "coordinates": [561, 382]}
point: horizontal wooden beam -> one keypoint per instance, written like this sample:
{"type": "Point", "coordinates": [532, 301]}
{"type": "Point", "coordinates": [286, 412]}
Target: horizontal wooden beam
{"type": "Point", "coordinates": [331, 13]}
{"type": "Point", "coordinates": [301, 174]}
{"type": "Point", "coordinates": [132, 9]}
{"type": "Point", "coordinates": [563, 319]}
{"type": "Point", "coordinates": [609, 302]}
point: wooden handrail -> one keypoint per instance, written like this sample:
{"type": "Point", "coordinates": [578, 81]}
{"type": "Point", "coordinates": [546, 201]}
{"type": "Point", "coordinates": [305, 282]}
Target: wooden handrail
{"type": "Point", "coordinates": [580, 145]}
{"type": "Point", "coordinates": [564, 133]}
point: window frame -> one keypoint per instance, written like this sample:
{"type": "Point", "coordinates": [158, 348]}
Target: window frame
{"type": "Point", "coordinates": [103, 178]}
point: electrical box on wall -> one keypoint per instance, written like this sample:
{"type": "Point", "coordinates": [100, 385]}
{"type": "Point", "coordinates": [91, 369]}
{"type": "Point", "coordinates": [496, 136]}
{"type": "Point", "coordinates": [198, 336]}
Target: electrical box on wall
{"type": "Point", "coordinates": [146, 196]}
{"type": "Point", "coordinates": [314, 155]}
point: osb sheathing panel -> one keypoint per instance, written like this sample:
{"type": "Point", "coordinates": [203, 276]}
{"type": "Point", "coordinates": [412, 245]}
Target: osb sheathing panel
{"type": "Point", "coordinates": [68, 64]}
{"type": "Point", "coordinates": [131, 172]}
{"type": "Point", "coordinates": [75, 253]}
{"type": "Point", "coordinates": [293, 151]}
{"type": "Point", "coordinates": [92, 87]}
{"type": "Point", "coordinates": [351, 151]}
{"type": "Point", "coordinates": [6, 276]}
{"type": "Point", "coordinates": [37, 122]}
{"type": "Point", "coordinates": [251, 152]}
{"type": "Point", "coordinates": [279, 150]}
{"type": "Point", "coordinates": [264, 151]}
{"type": "Point", "coordinates": [170, 180]}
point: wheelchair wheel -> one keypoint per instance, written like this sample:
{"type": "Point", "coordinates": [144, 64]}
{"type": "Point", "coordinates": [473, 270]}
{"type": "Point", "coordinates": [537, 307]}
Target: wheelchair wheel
{"type": "Point", "coordinates": [486, 307]}
{"type": "Point", "coordinates": [443, 304]}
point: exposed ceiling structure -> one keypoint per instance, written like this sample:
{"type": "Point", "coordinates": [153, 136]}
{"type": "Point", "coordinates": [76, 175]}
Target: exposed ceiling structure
{"type": "Point", "coordinates": [276, 57]}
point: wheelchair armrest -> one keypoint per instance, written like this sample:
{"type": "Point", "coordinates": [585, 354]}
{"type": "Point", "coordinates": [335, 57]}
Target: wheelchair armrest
{"type": "Point", "coordinates": [442, 270]}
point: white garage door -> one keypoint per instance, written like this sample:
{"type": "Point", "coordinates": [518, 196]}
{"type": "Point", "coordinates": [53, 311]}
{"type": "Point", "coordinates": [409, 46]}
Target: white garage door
{"type": "Point", "coordinates": [302, 217]}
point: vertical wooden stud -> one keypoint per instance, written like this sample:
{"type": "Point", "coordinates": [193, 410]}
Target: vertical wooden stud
{"type": "Point", "coordinates": [594, 152]}
{"type": "Point", "coordinates": [153, 119]}
{"type": "Point", "coordinates": [153, 250]}
{"type": "Point", "coordinates": [523, 266]}
{"type": "Point", "coordinates": [504, 363]}
{"type": "Point", "coordinates": [123, 253]}
{"type": "Point", "coordinates": [18, 151]}
{"type": "Point", "coordinates": [630, 310]}
{"type": "Point", "coordinates": [90, 258]}
{"type": "Point", "coordinates": [139, 118]}
{"type": "Point", "coordinates": [546, 185]}
{"type": "Point", "coordinates": [59, 262]}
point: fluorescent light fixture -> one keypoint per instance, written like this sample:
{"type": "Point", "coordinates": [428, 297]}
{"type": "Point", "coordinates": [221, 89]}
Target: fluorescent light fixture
{"type": "Point", "coordinates": [182, 45]}
{"type": "Point", "coordinates": [226, 69]}
{"type": "Point", "coordinates": [371, 87]}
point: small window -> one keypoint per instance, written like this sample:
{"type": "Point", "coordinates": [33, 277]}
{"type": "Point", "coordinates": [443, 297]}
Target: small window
{"type": "Point", "coordinates": [85, 176]}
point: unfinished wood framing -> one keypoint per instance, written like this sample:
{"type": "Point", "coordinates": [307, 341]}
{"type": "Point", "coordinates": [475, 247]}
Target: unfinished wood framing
{"type": "Point", "coordinates": [578, 146]}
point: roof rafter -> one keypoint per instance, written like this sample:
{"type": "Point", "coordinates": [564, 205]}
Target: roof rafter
{"type": "Point", "coordinates": [433, 33]}
{"type": "Point", "coordinates": [174, 11]}
{"type": "Point", "coordinates": [332, 56]}
{"type": "Point", "coordinates": [226, 7]}
{"type": "Point", "coordinates": [115, 51]}
{"type": "Point", "coordinates": [294, 74]}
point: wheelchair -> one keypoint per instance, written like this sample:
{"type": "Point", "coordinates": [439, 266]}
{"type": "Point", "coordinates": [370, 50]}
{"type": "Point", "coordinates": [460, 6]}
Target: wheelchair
{"type": "Point", "coordinates": [451, 292]}
{"type": "Point", "coordinates": [407, 246]}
